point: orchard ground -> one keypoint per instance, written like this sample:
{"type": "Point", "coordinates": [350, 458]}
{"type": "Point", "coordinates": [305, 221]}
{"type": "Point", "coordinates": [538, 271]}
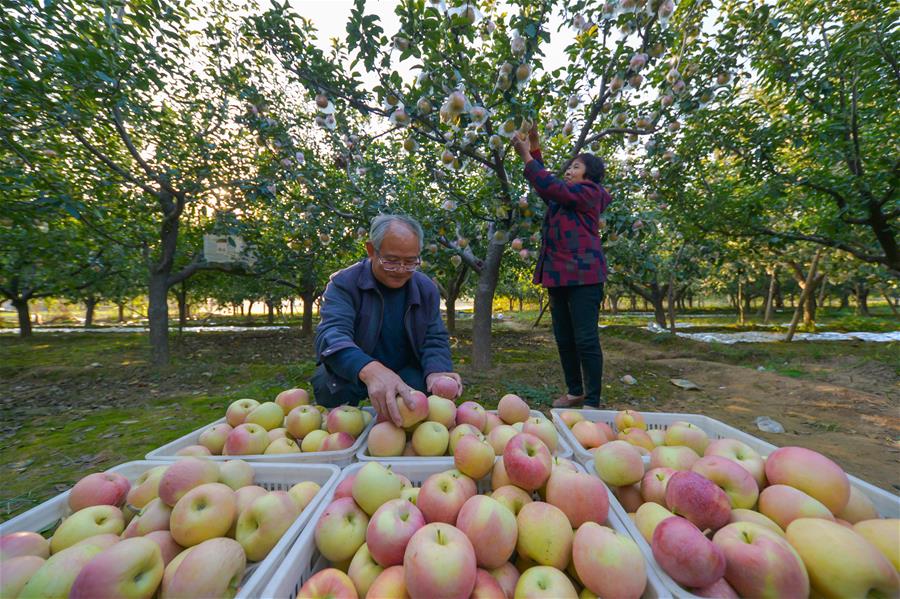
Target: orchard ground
{"type": "Point", "coordinates": [73, 404]}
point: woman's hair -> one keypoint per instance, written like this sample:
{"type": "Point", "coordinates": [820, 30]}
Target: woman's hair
{"type": "Point", "coordinates": [594, 169]}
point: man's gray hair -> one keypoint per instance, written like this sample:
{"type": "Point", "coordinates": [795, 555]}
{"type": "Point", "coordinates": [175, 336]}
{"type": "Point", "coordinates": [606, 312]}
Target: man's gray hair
{"type": "Point", "coordinates": [382, 222]}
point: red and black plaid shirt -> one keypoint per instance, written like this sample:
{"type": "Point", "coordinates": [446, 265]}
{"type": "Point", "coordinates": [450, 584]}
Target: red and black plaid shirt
{"type": "Point", "coordinates": [571, 253]}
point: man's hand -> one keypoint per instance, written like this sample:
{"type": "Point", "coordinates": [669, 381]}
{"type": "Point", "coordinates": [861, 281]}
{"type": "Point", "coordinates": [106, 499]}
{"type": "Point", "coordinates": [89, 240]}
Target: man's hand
{"type": "Point", "coordinates": [431, 378]}
{"type": "Point", "coordinates": [384, 385]}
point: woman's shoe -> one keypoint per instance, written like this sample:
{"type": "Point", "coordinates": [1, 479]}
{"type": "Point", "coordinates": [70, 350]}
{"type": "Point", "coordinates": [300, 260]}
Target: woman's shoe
{"type": "Point", "coordinates": [568, 401]}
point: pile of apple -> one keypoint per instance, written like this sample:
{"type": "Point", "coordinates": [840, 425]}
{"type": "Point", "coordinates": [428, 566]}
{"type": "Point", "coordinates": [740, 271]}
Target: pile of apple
{"type": "Point", "coordinates": [725, 522]}
{"type": "Point", "coordinates": [290, 424]}
{"type": "Point", "coordinates": [187, 530]}
{"type": "Point", "coordinates": [538, 534]}
{"type": "Point", "coordinates": [435, 426]}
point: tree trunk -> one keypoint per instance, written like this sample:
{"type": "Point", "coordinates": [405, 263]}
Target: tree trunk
{"type": "Point", "coordinates": [845, 300]}
{"type": "Point", "coordinates": [510, 304]}
{"type": "Point", "coordinates": [89, 305]}
{"type": "Point", "coordinates": [24, 318]}
{"type": "Point", "coordinates": [250, 312]}
{"type": "Point", "coordinates": [808, 289]}
{"type": "Point", "coordinates": [270, 317]}
{"type": "Point", "coordinates": [770, 299]}
{"type": "Point", "coordinates": [671, 301]}
{"type": "Point", "coordinates": [181, 296]}
{"type": "Point", "coordinates": [862, 299]}
{"type": "Point", "coordinates": [541, 302]}
{"type": "Point", "coordinates": [890, 302]}
{"type": "Point", "coordinates": [292, 308]}
{"type": "Point", "coordinates": [823, 286]}
{"type": "Point", "coordinates": [450, 302]}
{"type": "Point", "coordinates": [306, 329]}
{"type": "Point", "coordinates": [739, 300]}
{"type": "Point", "coordinates": [484, 301]}
{"type": "Point", "coordinates": [158, 315]}
{"type": "Point", "coordinates": [613, 303]}
{"type": "Point", "coordinates": [121, 307]}
{"type": "Point", "coordinates": [809, 310]}
{"type": "Point", "coordinates": [659, 310]}
{"type": "Point", "coordinates": [520, 304]}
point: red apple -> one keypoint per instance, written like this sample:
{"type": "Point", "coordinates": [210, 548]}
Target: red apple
{"type": "Point", "coordinates": [527, 461]}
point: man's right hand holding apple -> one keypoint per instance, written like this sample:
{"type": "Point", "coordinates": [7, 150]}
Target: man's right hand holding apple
{"type": "Point", "coordinates": [384, 385]}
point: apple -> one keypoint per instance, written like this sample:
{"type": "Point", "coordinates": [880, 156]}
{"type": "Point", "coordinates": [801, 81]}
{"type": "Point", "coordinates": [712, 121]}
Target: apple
{"type": "Point", "coordinates": [155, 515]}
{"type": "Point", "coordinates": [810, 472]}
{"type": "Point", "coordinates": [268, 415]}
{"type": "Point", "coordinates": [442, 410]}
{"type": "Point", "coordinates": [471, 413]}
{"type": "Point", "coordinates": [527, 461]}
{"type": "Point", "coordinates": [390, 529]}
{"type": "Point", "coordinates": [678, 457]}
{"type": "Point", "coordinates": [236, 474]}
{"type": "Point", "coordinates": [444, 386]}
{"type": "Point", "coordinates": [185, 474]}
{"type": "Point", "coordinates": [743, 454]}
{"type": "Point", "coordinates": [337, 442]}
{"type": "Point", "coordinates": [884, 534]}
{"type": "Point", "coordinates": [545, 534]}
{"type": "Point", "coordinates": [246, 439]}
{"type": "Point", "coordinates": [648, 516]}
{"type": "Point", "coordinates": [205, 512]}
{"type": "Point", "coordinates": [618, 463]}
{"type": "Point", "coordinates": [658, 436]}
{"type": "Point", "coordinates": [345, 487]}
{"type": "Point", "coordinates": [486, 586]}
{"type": "Point", "coordinates": [99, 488]}
{"type": "Point", "coordinates": [461, 430]}
{"type": "Point", "coordinates": [439, 562]}
{"type": "Point", "coordinates": [302, 493]}
{"type": "Point", "coordinates": [544, 430]}
{"type": "Point", "coordinates": [468, 484]}
{"type": "Point", "coordinates": [720, 589]}
{"type": "Point", "coordinates": [292, 398]}
{"type": "Point", "coordinates": [512, 497]}
{"type": "Point", "coordinates": [653, 485]}
{"type": "Point", "coordinates": [839, 561]}
{"type": "Point", "coordinates": [214, 437]}
{"type": "Point", "coordinates": [609, 564]}
{"type": "Point", "coordinates": [512, 409]}
{"type": "Point", "coordinates": [390, 584]}
{"type": "Point", "coordinates": [410, 416]}
{"type": "Point", "coordinates": [731, 477]}
{"type": "Point", "coordinates": [345, 419]}
{"type": "Point", "coordinates": [237, 412]}
{"type": "Point", "coordinates": [15, 572]}
{"type": "Point", "coordinates": [507, 575]}
{"type": "Point", "coordinates": [580, 496]}
{"type": "Point", "coordinates": [430, 439]}
{"type": "Point", "coordinates": [341, 530]}
{"type": "Point", "coordinates": [167, 545]}
{"type": "Point", "coordinates": [784, 504]}
{"type": "Point", "coordinates": [544, 582]}
{"type": "Point", "coordinates": [629, 419]}
{"type": "Point", "coordinates": [492, 529]}
{"type": "Point", "coordinates": [699, 500]}
{"type": "Point", "coordinates": [130, 568]}
{"type": "Point", "coordinates": [20, 544]}
{"type": "Point", "coordinates": [261, 525]}
{"type": "Point", "coordinates": [374, 486]}
{"type": "Point", "coordinates": [214, 568]}
{"type": "Point", "coordinates": [442, 496]}
{"type": "Point", "coordinates": [282, 446]}
{"type": "Point", "coordinates": [474, 457]}
{"type": "Point", "coordinates": [385, 440]}
{"type": "Point", "coordinates": [637, 437]}
{"type": "Point", "coordinates": [859, 507]}
{"type": "Point", "coordinates": [363, 570]}
{"type": "Point", "coordinates": [55, 577]}
{"type": "Point", "coordinates": [687, 434]}
{"type": "Point", "coordinates": [500, 436]}
{"type": "Point", "coordinates": [571, 418]}
{"type": "Point", "coordinates": [411, 495]}
{"type": "Point", "coordinates": [86, 523]}
{"type": "Point", "coordinates": [303, 420]}
{"type": "Point", "coordinates": [685, 554]}
{"type": "Point", "coordinates": [492, 421]}
{"type": "Point", "coordinates": [313, 441]}
{"type": "Point", "coordinates": [629, 496]}
{"type": "Point", "coordinates": [745, 515]}
{"type": "Point", "coordinates": [760, 562]}
{"type": "Point", "coordinates": [499, 478]}
{"type": "Point", "coordinates": [146, 487]}
{"type": "Point", "coordinates": [588, 434]}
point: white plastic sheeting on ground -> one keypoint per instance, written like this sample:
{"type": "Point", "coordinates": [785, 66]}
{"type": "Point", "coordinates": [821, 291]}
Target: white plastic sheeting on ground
{"type": "Point", "coordinates": [211, 329]}
{"type": "Point", "coordinates": [765, 337]}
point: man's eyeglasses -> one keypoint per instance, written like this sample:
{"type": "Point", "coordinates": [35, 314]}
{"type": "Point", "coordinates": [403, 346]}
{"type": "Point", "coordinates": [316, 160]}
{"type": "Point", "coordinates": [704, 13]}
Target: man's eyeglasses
{"type": "Point", "coordinates": [399, 265]}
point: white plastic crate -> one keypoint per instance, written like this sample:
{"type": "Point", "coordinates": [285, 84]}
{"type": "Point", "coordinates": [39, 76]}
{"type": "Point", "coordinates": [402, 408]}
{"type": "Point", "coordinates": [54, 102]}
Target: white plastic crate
{"type": "Point", "coordinates": [340, 457]}
{"type": "Point", "coordinates": [563, 449]}
{"type": "Point", "coordinates": [273, 477]}
{"type": "Point", "coordinates": [304, 560]}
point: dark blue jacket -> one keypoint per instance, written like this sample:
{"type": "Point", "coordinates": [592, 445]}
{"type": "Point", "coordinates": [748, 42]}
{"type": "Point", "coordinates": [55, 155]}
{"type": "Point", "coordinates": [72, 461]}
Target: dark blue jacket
{"type": "Point", "coordinates": [351, 316]}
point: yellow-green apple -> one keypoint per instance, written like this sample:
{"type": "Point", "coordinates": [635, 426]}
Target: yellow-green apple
{"type": "Point", "coordinates": [648, 516]}
{"type": "Point", "coordinates": [214, 568]}
{"type": "Point", "coordinates": [445, 386]}
{"type": "Point", "coordinates": [214, 437]}
{"type": "Point", "coordinates": [743, 454]}
{"type": "Point", "coordinates": [374, 486]}
{"type": "Point", "coordinates": [260, 526]}
{"type": "Point", "coordinates": [345, 487]}
{"type": "Point", "coordinates": [337, 441]}
{"type": "Point", "coordinates": [840, 562]}
{"type": "Point", "coordinates": [132, 568]}
{"type": "Point", "coordinates": [512, 409]}
{"type": "Point", "coordinates": [389, 584]}
{"type": "Point", "coordinates": [618, 463]}
{"type": "Point", "coordinates": [386, 439]}
{"type": "Point", "coordinates": [581, 497]}
{"type": "Point", "coordinates": [545, 534]}
{"type": "Point", "coordinates": [571, 418]}
{"type": "Point", "coordinates": [588, 434]}
{"type": "Point", "coordinates": [236, 473]}
{"type": "Point", "coordinates": [564, 463]}
{"type": "Point", "coordinates": [474, 457]}
{"type": "Point", "coordinates": [629, 496]}
{"type": "Point", "coordinates": [153, 516]}
{"type": "Point", "coordinates": [15, 572]}
{"type": "Point", "coordinates": [268, 415]}
{"type": "Point", "coordinates": [461, 430]}
{"type": "Point", "coordinates": [55, 577]}
{"type": "Point", "coordinates": [544, 430]}
{"type": "Point", "coordinates": [303, 420]}
{"type": "Point", "coordinates": [512, 498]}
{"type": "Point", "coordinates": [884, 534]}
{"type": "Point", "coordinates": [243, 497]}
{"type": "Point", "coordinates": [17, 544]}
{"type": "Point", "coordinates": [472, 413]}
{"type": "Point", "coordinates": [411, 495]}
{"type": "Point", "coordinates": [731, 477]}
{"type": "Point", "coordinates": [507, 576]}
{"type": "Point", "coordinates": [390, 529]}
{"type": "Point", "coordinates": [491, 422]}
{"type": "Point", "coordinates": [518, 426]}
{"type": "Point", "coordinates": [99, 488]}
{"type": "Point", "coordinates": [198, 451]}
{"type": "Point", "coordinates": [500, 436]}
{"type": "Point", "coordinates": [341, 530]}
{"type": "Point", "coordinates": [689, 435]}
{"type": "Point", "coordinates": [439, 563]}
{"type": "Point", "coordinates": [302, 493]}
{"type": "Point", "coordinates": [544, 582]}
{"type": "Point", "coordinates": [677, 457]}
{"type": "Point", "coordinates": [859, 507]}
{"type": "Point", "coordinates": [412, 415]}
{"type": "Point", "coordinates": [442, 410]}
{"type": "Point", "coordinates": [291, 398]}
{"type": "Point", "coordinates": [745, 515]}
{"type": "Point", "coordinates": [608, 563]}
{"type": "Point", "coordinates": [185, 474]}
{"type": "Point", "coordinates": [720, 589]}
{"type": "Point", "coordinates": [486, 586]}
{"type": "Point", "coordinates": [146, 487]}
{"type": "Point", "coordinates": [784, 504]}
{"type": "Point", "coordinates": [203, 513]}
{"type": "Point", "coordinates": [246, 439]}
{"type": "Point", "coordinates": [237, 411]}
{"type": "Point", "coordinates": [527, 461]}
{"type": "Point", "coordinates": [637, 437]}
{"type": "Point", "coordinates": [685, 554]}
{"type": "Point", "coordinates": [653, 485]}
{"type": "Point", "coordinates": [810, 472]}
{"type": "Point", "coordinates": [277, 433]}
{"type": "Point", "coordinates": [629, 419]}
{"type": "Point", "coordinates": [363, 570]}
{"type": "Point", "coordinates": [760, 562]}
{"type": "Point", "coordinates": [313, 441]}
{"type": "Point", "coordinates": [499, 478]}
{"type": "Point", "coordinates": [345, 419]}
{"type": "Point", "coordinates": [699, 500]}
{"type": "Point", "coordinates": [167, 545]}
{"type": "Point", "coordinates": [282, 446]}
{"type": "Point", "coordinates": [86, 523]}
{"type": "Point", "coordinates": [492, 529]}
{"type": "Point", "coordinates": [467, 482]}
{"type": "Point", "coordinates": [442, 496]}
{"type": "Point", "coordinates": [430, 439]}
{"type": "Point", "coordinates": [658, 436]}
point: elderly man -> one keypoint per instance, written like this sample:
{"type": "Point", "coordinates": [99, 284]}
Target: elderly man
{"type": "Point", "coordinates": [381, 333]}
